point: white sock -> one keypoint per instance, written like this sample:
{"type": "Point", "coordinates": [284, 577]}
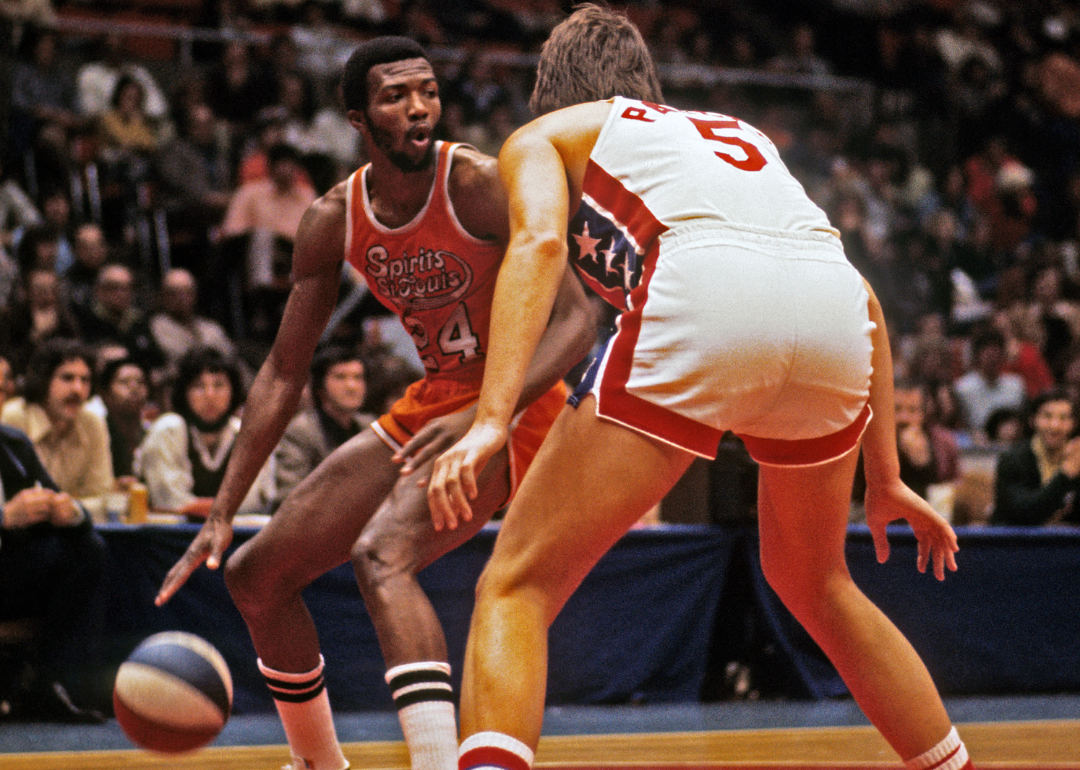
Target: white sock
{"type": "Point", "coordinates": [423, 697]}
{"type": "Point", "coordinates": [304, 708]}
{"type": "Point", "coordinates": [494, 751]}
{"type": "Point", "coordinates": [950, 754]}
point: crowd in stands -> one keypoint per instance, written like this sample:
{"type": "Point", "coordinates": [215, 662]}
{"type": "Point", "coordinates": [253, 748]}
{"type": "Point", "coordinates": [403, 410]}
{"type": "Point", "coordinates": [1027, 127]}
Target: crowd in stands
{"type": "Point", "coordinates": [148, 207]}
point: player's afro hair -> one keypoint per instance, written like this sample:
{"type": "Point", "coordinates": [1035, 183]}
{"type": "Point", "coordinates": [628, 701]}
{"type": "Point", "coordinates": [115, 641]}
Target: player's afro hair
{"type": "Point", "coordinates": [370, 53]}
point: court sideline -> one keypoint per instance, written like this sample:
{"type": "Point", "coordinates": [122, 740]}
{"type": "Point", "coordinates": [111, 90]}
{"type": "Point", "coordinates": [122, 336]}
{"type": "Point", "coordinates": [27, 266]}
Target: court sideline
{"type": "Point", "coordinates": [1007, 733]}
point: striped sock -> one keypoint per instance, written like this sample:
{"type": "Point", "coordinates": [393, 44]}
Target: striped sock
{"type": "Point", "coordinates": [304, 708]}
{"type": "Point", "coordinates": [494, 751]}
{"type": "Point", "coordinates": [950, 754]}
{"type": "Point", "coordinates": [425, 704]}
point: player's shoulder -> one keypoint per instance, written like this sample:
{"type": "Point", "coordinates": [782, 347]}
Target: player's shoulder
{"type": "Point", "coordinates": [326, 216]}
{"type": "Point", "coordinates": [473, 172]}
{"type": "Point", "coordinates": [331, 204]}
{"type": "Point", "coordinates": [477, 194]}
{"type": "Point", "coordinates": [320, 240]}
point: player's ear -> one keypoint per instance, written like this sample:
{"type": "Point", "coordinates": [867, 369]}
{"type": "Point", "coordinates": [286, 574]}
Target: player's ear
{"type": "Point", "coordinates": [357, 120]}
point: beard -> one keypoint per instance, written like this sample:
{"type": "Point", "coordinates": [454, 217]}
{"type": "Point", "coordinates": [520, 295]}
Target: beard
{"type": "Point", "coordinates": [384, 142]}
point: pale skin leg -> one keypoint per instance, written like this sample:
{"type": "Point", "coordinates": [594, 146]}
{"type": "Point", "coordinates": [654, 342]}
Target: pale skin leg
{"type": "Point", "coordinates": [576, 503]}
{"type": "Point", "coordinates": [340, 511]}
{"type": "Point", "coordinates": [802, 518]}
{"type": "Point", "coordinates": [573, 505]}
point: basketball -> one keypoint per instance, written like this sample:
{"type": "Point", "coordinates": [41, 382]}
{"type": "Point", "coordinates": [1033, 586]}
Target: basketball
{"type": "Point", "coordinates": [173, 693]}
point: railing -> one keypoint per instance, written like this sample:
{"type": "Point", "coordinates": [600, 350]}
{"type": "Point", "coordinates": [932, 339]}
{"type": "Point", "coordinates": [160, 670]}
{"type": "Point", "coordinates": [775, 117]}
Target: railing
{"type": "Point", "coordinates": [186, 36]}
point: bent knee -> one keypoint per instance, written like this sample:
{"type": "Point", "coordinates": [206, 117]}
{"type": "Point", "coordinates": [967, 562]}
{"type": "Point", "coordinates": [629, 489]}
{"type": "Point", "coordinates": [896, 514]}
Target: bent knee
{"type": "Point", "coordinates": [376, 560]}
{"type": "Point", "coordinates": [250, 582]}
{"type": "Point", "coordinates": [804, 586]}
{"type": "Point", "coordinates": [513, 581]}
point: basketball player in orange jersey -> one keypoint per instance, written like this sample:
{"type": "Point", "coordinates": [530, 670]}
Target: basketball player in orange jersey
{"type": "Point", "coordinates": [426, 223]}
{"type": "Point", "coordinates": [740, 312]}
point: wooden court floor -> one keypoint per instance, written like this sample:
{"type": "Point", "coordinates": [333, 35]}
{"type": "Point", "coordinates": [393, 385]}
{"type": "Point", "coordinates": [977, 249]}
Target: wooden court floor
{"type": "Point", "coordinates": [1049, 744]}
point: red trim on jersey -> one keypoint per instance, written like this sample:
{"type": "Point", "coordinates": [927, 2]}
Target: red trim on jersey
{"type": "Point", "coordinates": [490, 756]}
{"type": "Point", "coordinates": [809, 451]}
{"type": "Point", "coordinates": [631, 216]}
{"type": "Point", "coordinates": [627, 208]}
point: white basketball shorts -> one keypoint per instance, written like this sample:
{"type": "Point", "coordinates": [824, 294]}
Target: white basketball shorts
{"type": "Point", "coordinates": [765, 334]}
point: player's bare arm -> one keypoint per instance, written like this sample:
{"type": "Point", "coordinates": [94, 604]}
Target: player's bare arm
{"type": "Point", "coordinates": [481, 204]}
{"type": "Point", "coordinates": [275, 393]}
{"type": "Point", "coordinates": [538, 183]}
{"type": "Point", "coordinates": [887, 497]}
{"type": "Point", "coordinates": [478, 196]}
{"type": "Point", "coordinates": [569, 337]}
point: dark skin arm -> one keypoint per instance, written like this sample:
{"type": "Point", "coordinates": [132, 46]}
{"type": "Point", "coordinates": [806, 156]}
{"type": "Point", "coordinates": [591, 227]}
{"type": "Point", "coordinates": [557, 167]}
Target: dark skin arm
{"type": "Point", "coordinates": [275, 393]}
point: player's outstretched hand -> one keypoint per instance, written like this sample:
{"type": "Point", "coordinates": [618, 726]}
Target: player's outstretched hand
{"type": "Point", "coordinates": [435, 437]}
{"type": "Point", "coordinates": [209, 546]}
{"type": "Point", "coordinates": [937, 540]}
{"type": "Point", "coordinates": [453, 478]}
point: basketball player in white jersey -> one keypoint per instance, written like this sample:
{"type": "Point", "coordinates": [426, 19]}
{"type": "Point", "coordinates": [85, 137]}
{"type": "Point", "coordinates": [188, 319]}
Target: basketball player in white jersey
{"type": "Point", "coordinates": [739, 312]}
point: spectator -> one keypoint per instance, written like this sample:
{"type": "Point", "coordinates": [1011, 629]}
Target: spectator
{"type": "Point", "coordinates": [235, 90]}
{"type": "Point", "coordinates": [801, 56]}
{"type": "Point", "coordinates": [125, 130]}
{"type": "Point", "coordinates": [42, 91]}
{"type": "Point", "coordinates": [38, 248]}
{"type": "Point", "coordinates": [1023, 356]}
{"type": "Point", "coordinates": [114, 317]}
{"type": "Point", "coordinates": [17, 210]}
{"type": "Point", "coordinates": [125, 393]}
{"type": "Point", "coordinates": [91, 251]}
{"type": "Point", "coordinates": [72, 441]}
{"type": "Point", "coordinates": [1037, 479]}
{"type": "Point", "coordinates": [194, 185]}
{"type": "Point", "coordinates": [987, 386]}
{"type": "Point", "coordinates": [304, 130]}
{"type": "Point", "coordinates": [52, 568]}
{"type": "Point", "coordinates": [1005, 426]}
{"type": "Point", "coordinates": [38, 314]}
{"type": "Point", "coordinates": [1050, 318]}
{"type": "Point", "coordinates": [183, 457]}
{"type": "Point", "coordinates": [97, 79]}
{"type": "Point", "coordinates": [928, 453]}
{"type": "Point", "coordinates": [178, 327]}
{"type": "Point", "coordinates": [257, 235]}
{"type": "Point", "coordinates": [338, 390]}
{"type": "Point", "coordinates": [274, 204]}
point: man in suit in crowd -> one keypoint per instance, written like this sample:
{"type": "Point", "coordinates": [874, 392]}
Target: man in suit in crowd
{"type": "Point", "coordinates": [52, 568]}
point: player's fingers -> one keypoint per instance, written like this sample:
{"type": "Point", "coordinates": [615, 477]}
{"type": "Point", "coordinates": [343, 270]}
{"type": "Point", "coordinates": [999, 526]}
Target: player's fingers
{"type": "Point", "coordinates": [413, 461]}
{"type": "Point", "coordinates": [176, 577]}
{"type": "Point", "coordinates": [881, 544]}
{"type": "Point", "coordinates": [939, 564]}
{"type": "Point", "coordinates": [438, 503]}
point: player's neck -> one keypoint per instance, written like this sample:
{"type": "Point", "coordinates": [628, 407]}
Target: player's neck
{"type": "Point", "coordinates": [397, 196]}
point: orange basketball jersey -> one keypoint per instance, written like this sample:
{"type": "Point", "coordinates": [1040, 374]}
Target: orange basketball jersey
{"type": "Point", "coordinates": [434, 275]}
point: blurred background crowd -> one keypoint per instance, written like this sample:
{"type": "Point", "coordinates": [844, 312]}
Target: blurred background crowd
{"type": "Point", "coordinates": [157, 156]}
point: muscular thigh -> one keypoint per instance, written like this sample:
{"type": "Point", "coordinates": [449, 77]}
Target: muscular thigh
{"type": "Point", "coordinates": [401, 531]}
{"type": "Point", "coordinates": [591, 481]}
{"type": "Point", "coordinates": [314, 529]}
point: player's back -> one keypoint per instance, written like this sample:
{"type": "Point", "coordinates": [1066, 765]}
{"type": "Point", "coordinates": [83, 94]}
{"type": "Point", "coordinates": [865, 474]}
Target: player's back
{"type": "Point", "coordinates": [686, 165]}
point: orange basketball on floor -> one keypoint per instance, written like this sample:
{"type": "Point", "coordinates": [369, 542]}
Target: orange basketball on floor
{"type": "Point", "coordinates": [173, 693]}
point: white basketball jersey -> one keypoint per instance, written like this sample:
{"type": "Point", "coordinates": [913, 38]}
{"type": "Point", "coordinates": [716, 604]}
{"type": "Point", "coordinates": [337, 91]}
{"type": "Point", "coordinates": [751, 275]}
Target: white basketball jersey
{"type": "Point", "coordinates": [655, 167]}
